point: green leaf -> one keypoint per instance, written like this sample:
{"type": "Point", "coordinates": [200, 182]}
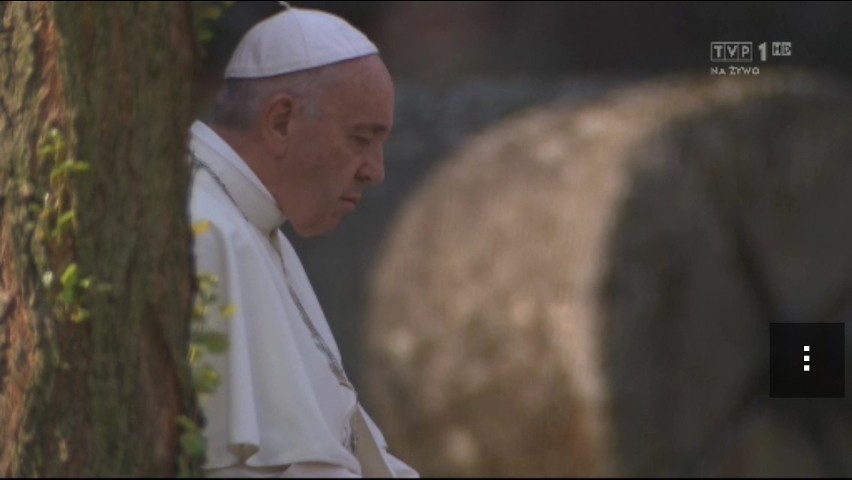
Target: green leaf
{"type": "Point", "coordinates": [68, 167]}
{"type": "Point", "coordinates": [192, 444]}
{"type": "Point", "coordinates": [78, 167]}
{"type": "Point", "coordinates": [186, 423]}
{"type": "Point", "coordinates": [47, 151]}
{"type": "Point", "coordinates": [59, 171]}
{"type": "Point", "coordinates": [205, 35]}
{"type": "Point", "coordinates": [71, 276]}
{"type": "Point", "coordinates": [80, 316]}
{"type": "Point", "coordinates": [65, 220]}
{"type": "Point", "coordinates": [69, 296]}
{"type": "Point", "coordinates": [228, 311]}
{"type": "Point", "coordinates": [214, 342]}
{"type": "Point", "coordinates": [207, 282]}
{"type": "Point", "coordinates": [199, 312]}
{"type": "Point", "coordinates": [206, 379]}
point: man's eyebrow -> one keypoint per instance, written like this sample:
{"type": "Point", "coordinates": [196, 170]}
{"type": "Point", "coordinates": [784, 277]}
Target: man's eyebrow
{"type": "Point", "coordinates": [375, 128]}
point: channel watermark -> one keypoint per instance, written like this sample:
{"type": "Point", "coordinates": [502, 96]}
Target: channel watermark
{"type": "Point", "coordinates": [737, 58]}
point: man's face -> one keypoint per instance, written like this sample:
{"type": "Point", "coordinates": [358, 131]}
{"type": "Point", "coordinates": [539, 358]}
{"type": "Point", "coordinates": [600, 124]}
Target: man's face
{"type": "Point", "coordinates": [333, 157]}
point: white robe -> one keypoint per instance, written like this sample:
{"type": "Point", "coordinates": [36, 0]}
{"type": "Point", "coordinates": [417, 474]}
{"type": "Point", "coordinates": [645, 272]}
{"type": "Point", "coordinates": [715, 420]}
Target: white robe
{"type": "Point", "coordinates": [279, 403]}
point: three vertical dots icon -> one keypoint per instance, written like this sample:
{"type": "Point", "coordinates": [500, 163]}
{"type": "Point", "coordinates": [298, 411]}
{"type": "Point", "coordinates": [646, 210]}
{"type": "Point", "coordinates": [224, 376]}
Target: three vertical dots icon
{"type": "Point", "coordinates": [807, 358]}
{"type": "Point", "coordinates": [794, 370]}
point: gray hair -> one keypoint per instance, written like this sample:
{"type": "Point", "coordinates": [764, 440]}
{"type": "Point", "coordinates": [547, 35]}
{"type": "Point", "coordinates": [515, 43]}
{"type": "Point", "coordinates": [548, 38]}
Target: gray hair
{"type": "Point", "coordinates": [241, 99]}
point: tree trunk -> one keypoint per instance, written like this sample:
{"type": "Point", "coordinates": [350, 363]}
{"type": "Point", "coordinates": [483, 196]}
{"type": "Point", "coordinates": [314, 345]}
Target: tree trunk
{"type": "Point", "coordinates": [95, 266]}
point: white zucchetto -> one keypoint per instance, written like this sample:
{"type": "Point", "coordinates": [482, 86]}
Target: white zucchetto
{"type": "Point", "coordinates": [294, 40]}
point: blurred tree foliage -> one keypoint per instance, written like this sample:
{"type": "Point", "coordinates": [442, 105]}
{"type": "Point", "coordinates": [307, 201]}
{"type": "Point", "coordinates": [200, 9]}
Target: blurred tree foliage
{"type": "Point", "coordinates": [205, 14]}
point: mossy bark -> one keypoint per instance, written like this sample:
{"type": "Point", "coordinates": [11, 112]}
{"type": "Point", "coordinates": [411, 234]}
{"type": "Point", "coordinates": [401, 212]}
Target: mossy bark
{"type": "Point", "coordinates": [93, 373]}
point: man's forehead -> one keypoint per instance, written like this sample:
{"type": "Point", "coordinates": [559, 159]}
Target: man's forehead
{"type": "Point", "coordinates": [365, 81]}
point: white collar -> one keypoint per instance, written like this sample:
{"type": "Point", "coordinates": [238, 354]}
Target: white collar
{"type": "Point", "coordinates": [242, 185]}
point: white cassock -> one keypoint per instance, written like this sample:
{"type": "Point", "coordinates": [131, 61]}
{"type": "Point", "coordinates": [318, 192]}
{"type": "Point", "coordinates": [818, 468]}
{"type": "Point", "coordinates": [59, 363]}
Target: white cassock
{"type": "Point", "coordinates": [280, 402]}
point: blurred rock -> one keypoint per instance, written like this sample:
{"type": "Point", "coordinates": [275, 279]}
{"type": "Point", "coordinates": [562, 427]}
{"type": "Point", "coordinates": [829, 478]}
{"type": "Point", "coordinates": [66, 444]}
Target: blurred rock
{"type": "Point", "coordinates": [587, 291]}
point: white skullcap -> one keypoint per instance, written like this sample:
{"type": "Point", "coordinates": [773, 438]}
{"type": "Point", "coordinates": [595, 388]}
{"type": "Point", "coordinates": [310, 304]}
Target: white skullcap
{"type": "Point", "coordinates": [296, 39]}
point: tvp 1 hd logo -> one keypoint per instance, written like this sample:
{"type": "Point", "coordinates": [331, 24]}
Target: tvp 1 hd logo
{"type": "Point", "coordinates": [740, 55]}
{"type": "Point", "coordinates": [807, 360]}
{"type": "Point", "coordinates": [730, 52]}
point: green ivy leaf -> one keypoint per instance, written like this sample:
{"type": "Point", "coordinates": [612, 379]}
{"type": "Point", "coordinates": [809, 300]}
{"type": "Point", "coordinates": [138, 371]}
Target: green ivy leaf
{"type": "Point", "coordinates": [207, 282]}
{"type": "Point", "coordinates": [199, 312]}
{"type": "Point", "coordinates": [78, 167]}
{"type": "Point", "coordinates": [80, 316]}
{"type": "Point", "coordinates": [47, 151]}
{"type": "Point", "coordinates": [228, 311]}
{"type": "Point", "coordinates": [65, 168]}
{"type": "Point", "coordinates": [206, 379]}
{"type": "Point", "coordinates": [71, 276]}
{"type": "Point", "coordinates": [69, 296]}
{"type": "Point", "coordinates": [205, 36]}
{"type": "Point", "coordinates": [187, 424]}
{"type": "Point", "coordinates": [64, 222]}
{"type": "Point", "coordinates": [205, 14]}
{"type": "Point", "coordinates": [192, 444]}
{"type": "Point", "coordinates": [214, 342]}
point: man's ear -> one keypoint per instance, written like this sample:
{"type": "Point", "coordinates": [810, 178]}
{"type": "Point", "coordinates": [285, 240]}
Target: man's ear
{"type": "Point", "coordinates": [276, 120]}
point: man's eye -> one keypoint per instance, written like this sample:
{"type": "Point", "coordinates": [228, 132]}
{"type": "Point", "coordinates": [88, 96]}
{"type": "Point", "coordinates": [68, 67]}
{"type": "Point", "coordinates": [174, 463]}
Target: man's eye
{"type": "Point", "coordinates": [361, 141]}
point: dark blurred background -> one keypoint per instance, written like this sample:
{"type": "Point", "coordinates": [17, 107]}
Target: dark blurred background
{"type": "Point", "coordinates": [443, 43]}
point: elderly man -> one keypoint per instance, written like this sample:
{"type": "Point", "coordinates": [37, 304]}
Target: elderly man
{"type": "Point", "coordinates": [297, 135]}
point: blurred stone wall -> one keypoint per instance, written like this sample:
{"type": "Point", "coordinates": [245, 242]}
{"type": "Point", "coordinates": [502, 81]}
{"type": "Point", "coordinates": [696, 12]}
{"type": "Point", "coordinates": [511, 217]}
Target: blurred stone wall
{"type": "Point", "coordinates": [587, 291]}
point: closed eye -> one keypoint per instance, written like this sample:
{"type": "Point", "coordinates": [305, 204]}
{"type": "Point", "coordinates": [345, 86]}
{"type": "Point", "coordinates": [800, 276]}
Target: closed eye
{"type": "Point", "coordinates": [361, 141]}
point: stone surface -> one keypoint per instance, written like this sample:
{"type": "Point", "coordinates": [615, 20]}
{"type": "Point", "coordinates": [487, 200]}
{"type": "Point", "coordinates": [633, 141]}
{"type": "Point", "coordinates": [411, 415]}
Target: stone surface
{"type": "Point", "coordinates": [587, 291]}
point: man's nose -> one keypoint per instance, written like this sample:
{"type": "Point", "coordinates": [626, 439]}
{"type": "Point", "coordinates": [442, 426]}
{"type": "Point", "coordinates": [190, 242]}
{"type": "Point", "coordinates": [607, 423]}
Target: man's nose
{"type": "Point", "coordinates": [372, 172]}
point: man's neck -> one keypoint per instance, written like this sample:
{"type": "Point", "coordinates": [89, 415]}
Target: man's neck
{"type": "Point", "coordinates": [246, 148]}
